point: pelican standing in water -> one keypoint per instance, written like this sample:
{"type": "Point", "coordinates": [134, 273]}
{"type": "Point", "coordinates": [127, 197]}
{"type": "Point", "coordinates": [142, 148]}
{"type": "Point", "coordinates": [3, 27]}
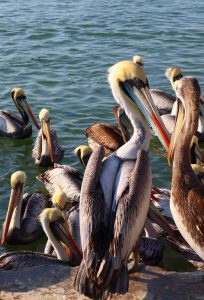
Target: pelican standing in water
{"type": "Point", "coordinates": [187, 193]}
{"type": "Point", "coordinates": [115, 200]}
{"type": "Point", "coordinates": [55, 226]}
{"type": "Point", "coordinates": [46, 151]}
{"type": "Point", "coordinates": [13, 126]}
{"type": "Point", "coordinates": [21, 225]}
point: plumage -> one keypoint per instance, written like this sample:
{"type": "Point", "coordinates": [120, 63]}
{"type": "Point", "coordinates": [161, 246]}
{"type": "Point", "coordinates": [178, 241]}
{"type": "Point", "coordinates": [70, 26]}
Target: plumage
{"type": "Point", "coordinates": [68, 178]}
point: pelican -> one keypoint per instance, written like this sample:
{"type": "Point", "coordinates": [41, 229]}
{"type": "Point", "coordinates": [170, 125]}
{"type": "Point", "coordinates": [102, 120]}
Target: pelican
{"type": "Point", "coordinates": [46, 151]}
{"type": "Point", "coordinates": [115, 197]}
{"type": "Point", "coordinates": [61, 202]}
{"type": "Point", "coordinates": [21, 225]}
{"type": "Point", "coordinates": [174, 75]}
{"type": "Point", "coordinates": [13, 126]}
{"type": "Point", "coordinates": [55, 226]}
{"type": "Point", "coordinates": [187, 195]}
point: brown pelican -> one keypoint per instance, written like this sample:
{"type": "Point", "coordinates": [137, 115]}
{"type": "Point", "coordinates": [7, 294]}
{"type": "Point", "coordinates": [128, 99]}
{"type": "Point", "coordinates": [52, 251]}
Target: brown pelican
{"type": "Point", "coordinates": [187, 196]}
{"type": "Point", "coordinates": [13, 126]}
{"type": "Point", "coordinates": [55, 226]}
{"type": "Point", "coordinates": [46, 151]}
{"type": "Point", "coordinates": [174, 75]}
{"type": "Point", "coordinates": [114, 197]}
{"type": "Point", "coordinates": [21, 225]}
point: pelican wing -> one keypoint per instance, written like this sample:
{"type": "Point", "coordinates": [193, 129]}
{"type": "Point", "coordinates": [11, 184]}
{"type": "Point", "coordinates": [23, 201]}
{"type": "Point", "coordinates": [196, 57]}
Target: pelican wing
{"type": "Point", "coordinates": [163, 101]}
{"type": "Point", "coordinates": [68, 178]}
{"type": "Point", "coordinates": [106, 135]}
{"type": "Point", "coordinates": [9, 123]}
{"type": "Point", "coordinates": [130, 216]}
{"type": "Point", "coordinates": [30, 223]}
{"type": "Point", "coordinates": [92, 208]}
{"type": "Point", "coordinates": [196, 208]}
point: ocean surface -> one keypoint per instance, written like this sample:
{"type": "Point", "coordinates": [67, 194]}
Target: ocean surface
{"type": "Point", "coordinates": [59, 53]}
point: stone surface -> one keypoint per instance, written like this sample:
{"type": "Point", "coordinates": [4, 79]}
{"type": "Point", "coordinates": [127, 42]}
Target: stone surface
{"type": "Point", "coordinates": [56, 283]}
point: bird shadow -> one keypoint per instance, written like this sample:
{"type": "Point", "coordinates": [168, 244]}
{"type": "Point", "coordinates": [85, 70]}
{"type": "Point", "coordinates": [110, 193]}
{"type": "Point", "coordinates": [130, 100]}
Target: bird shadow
{"type": "Point", "coordinates": [34, 277]}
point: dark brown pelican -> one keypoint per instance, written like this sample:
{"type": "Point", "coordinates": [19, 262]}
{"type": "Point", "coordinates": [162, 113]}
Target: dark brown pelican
{"type": "Point", "coordinates": [108, 135]}
{"type": "Point", "coordinates": [21, 225]}
{"type": "Point", "coordinates": [46, 151]}
{"type": "Point", "coordinates": [187, 195]}
{"type": "Point", "coordinates": [13, 126]}
{"type": "Point", "coordinates": [114, 196]}
{"type": "Point", "coordinates": [55, 226]}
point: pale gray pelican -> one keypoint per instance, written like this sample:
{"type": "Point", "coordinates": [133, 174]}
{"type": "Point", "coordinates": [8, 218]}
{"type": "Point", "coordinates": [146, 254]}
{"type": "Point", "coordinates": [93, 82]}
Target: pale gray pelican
{"type": "Point", "coordinates": [114, 196]}
{"type": "Point", "coordinates": [13, 126]}
{"type": "Point", "coordinates": [21, 225]}
{"type": "Point", "coordinates": [187, 193]}
{"type": "Point", "coordinates": [46, 151]}
{"type": "Point", "coordinates": [55, 226]}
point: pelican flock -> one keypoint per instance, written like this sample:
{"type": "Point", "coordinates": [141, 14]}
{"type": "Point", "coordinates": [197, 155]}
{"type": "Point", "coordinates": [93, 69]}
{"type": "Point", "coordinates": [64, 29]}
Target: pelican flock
{"type": "Point", "coordinates": [108, 219]}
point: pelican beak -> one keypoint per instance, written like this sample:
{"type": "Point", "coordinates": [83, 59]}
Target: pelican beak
{"type": "Point", "coordinates": [16, 194]}
{"type": "Point", "coordinates": [178, 125]}
{"type": "Point", "coordinates": [139, 93]}
{"type": "Point", "coordinates": [67, 240]}
{"type": "Point", "coordinates": [27, 108]}
{"type": "Point", "coordinates": [47, 134]}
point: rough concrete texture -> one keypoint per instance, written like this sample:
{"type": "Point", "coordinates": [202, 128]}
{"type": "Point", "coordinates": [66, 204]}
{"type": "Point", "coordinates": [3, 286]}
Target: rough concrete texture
{"type": "Point", "coordinates": [56, 283]}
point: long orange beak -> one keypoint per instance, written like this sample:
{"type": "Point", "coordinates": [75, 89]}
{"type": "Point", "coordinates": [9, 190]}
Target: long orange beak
{"type": "Point", "coordinates": [16, 193]}
{"type": "Point", "coordinates": [29, 111]}
{"type": "Point", "coordinates": [73, 244]}
{"type": "Point", "coordinates": [46, 131]}
{"type": "Point", "coordinates": [142, 98]}
{"type": "Point", "coordinates": [178, 125]}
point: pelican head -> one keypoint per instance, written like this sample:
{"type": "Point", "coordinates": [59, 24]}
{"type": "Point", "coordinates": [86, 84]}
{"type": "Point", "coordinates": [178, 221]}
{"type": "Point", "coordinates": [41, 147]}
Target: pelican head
{"type": "Point", "coordinates": [55, 226]}
{"type": "Point", "coordinates": [17, 185]}
{"type": "Point", "coordinates": [44, 117]}
{"type": "Point", "coordinates": [138, 60]}
{"type": "Point", "coordinates": [19, 98]}
{"type": "Point", "coordinates": [130, 88]}
{"type": "Point", "coordinates": [59, 199]}
{"type": "Point", "coordinates": [174, 75]}
{"type": "Point", "coordinates": [188, 98]}
{"type": "Point", "coordinates": [83, 153]}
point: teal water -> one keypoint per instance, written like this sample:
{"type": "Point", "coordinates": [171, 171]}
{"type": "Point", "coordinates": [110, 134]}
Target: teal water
{"type": "Point", "coordinates": [59, 53]}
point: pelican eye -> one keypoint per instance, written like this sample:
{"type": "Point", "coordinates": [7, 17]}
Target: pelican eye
{"type": "Point", "coordinates": [177, 77]}
{"type": "Point", "coordinates": [128, 84]}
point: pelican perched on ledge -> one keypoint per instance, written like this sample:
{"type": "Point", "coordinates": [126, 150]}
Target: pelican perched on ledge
{"type": "Point", "coordinates": [55, 226]}
{"type": "Point", "coordinates": [187, 194]}
{"type": "Point", "coordinates": [114, 196]}
{"type": "Point", "coordinates": [46, 151]}
{"type": "Point", "coordinates": [13, 126]}
{"type": "Point", "coordinates": [21, 225]}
